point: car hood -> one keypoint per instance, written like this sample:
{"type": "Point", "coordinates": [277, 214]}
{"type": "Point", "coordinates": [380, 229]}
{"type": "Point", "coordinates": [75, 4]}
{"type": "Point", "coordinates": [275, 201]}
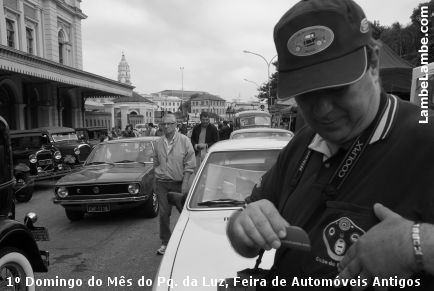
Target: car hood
{"type": "Point", "coordinates": [106, 174]}
{"type": "Point", "coordinates": [205, 253]}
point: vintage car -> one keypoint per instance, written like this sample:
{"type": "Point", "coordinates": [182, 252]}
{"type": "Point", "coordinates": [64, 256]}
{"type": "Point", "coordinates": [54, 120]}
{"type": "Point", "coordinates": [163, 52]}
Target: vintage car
{"type": "Point", "coordinates": [117, 174]}
{"type": "Point", "coordinates": [19, 254]}
{"type": "Point", "coordinates": [225, 178]}
{"type": "Point", "coordinates": [91, 135]}
{"type": "Point", "coordinates": [74, 152]}
{"type": "Point", "coordinates": [33, 160]}
{"type": "Point", "coordinates": [262, 132]}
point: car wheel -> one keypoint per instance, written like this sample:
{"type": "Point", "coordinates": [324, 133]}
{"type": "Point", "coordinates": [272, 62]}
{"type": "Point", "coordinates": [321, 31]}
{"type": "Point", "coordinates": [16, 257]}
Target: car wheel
{"type": "Point", "coordinates": [150, 208]}
{"type": "Point", "coordinates": [74, 215]}
{"type": "Point", "coordinates": [15, 268]}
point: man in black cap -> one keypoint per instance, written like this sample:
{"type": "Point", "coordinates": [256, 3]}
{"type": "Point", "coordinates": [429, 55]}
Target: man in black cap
{"type": "Point", "coordinates": [360, 146]}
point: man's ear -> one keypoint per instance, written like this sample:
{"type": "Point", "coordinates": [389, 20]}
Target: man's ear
{"type": "Point", "coordinates": [374, 61]}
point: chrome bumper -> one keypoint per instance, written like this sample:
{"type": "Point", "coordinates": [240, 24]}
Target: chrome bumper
{"type": "Point", "coordinates": [100, 201]}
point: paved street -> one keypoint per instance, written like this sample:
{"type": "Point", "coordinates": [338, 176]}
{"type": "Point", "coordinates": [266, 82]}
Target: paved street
{"type": "Point", "coordinates": [104, 246]}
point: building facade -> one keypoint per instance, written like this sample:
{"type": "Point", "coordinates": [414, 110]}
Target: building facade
{"type": "Point", "coordinates": [166, 103]}
{"type": "Point", "coordinates": [209, 103]}
{"type": "Point", "coordinates": [41, 78]}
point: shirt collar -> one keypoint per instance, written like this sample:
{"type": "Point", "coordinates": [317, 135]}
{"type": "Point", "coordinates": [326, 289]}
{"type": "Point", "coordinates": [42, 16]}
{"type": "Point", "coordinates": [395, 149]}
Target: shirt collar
{"type": "Point", "coordinates": [172, 140]}
{"type": "Point", "coordinates": [319, 144]}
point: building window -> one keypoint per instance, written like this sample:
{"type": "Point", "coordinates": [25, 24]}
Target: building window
{"type": "Point", "coordinates": [10, 29]}
{"type": "Point", "coordinates": [29, 36]}
{"type": "Point", "coordinates": [61, 36]}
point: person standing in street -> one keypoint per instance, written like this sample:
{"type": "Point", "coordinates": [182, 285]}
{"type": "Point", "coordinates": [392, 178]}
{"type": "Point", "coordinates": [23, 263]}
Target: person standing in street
{"type": "Point", "coordinates": [203, 136]}
{"type": "Point", "coordinates": [174, 162]}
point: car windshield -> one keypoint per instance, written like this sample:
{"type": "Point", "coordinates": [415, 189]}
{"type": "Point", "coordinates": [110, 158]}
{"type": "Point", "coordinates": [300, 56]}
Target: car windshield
{"type": "Point", "coordinates": [261, 134]}
{"type": "Point", "coordinates": [122, 152]}
{"type": "Point", "coordinates": [27, 142]}
{"type": "Point", "coordinates": [255, 121]}
{"type": "Point", "coordinates": [228, 177]}
{"type": "Point", "coordinates": [64, 136]}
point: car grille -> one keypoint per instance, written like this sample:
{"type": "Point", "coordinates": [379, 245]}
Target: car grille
{"type": "Point", "coordinates": [84, 152]}
{"type": "Point", "coordinates": [102, 189]}
{"type": "Point", "coordinates": [45, 160]}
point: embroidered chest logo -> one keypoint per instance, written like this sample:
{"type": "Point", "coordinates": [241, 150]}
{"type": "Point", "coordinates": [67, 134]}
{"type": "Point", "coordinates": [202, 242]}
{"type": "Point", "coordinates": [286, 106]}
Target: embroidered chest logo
{"type": "Point", "coordinates": [339, 235]}
{"type": "Point", "coordinates": [310, 40]}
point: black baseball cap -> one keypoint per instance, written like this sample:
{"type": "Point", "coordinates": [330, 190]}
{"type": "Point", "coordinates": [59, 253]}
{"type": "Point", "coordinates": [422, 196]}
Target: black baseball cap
{"type": "Point", "coordinates": [320, 44]}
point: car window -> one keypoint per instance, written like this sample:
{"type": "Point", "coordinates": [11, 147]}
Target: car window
{"type": "Point", "coordinates": [122, 152]}
{"type": "Point", "coordinates": [231, 175]}
{"type": "Point", "coordinates": [64, 136]}
{"type": "Point", "coordinates": [26, 142]}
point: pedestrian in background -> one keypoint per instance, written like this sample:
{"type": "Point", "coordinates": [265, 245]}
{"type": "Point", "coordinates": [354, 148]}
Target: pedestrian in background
{"type": "Point", "coordinates": [203, 136]}
{"type": "Point", "coordinates": [174, 162]}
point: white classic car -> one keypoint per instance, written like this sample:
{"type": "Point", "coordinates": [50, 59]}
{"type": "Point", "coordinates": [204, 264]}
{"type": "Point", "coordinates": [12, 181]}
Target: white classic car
{"type": "Point", "coordinates": [199, 254]}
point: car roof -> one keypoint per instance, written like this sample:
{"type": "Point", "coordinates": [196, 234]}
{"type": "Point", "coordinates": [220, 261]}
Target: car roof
{"type": "Point", "coordinates": [133, 139]}
{"type": "Point", "coordinates": [26, 132]}
{"type": "Point", "coordinates": [91, 128]}
{"type": "Point", "coordinates": [260, 129]}
{"type": "Point", "coordinates": [56, 129]}
{"type": "Point", "coordinates": [248, 144]}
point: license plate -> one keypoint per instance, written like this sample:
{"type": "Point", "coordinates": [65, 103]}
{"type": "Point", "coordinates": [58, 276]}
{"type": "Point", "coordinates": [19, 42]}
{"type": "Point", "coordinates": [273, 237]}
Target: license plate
{"type": "Point", "coordinates": [98, 208]}
{"type": "Point", "coordinates": [45, 162]}
{"type": "Point", "coordinates": [40, 233]}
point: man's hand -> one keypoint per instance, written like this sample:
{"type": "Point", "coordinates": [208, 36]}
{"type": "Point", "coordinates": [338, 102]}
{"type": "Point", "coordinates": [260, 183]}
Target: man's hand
{"type": "Point", "coordinates": [384, 251]}
{"type": "Point", "coordinates": [258, 226]}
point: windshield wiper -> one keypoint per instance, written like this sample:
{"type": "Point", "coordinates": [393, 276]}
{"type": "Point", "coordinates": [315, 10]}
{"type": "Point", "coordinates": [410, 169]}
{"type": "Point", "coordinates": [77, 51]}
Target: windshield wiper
{"type": "Point", "coordinates": [99, 163]}
{"type": "Point", "coordinates": [222, 202]}
{"type": "Point", "coordinates": [125, 161]}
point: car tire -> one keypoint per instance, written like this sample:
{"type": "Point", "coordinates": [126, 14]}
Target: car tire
{"type": "Point", "coordinates": [13, 264]}
{"type": "Point", "coordinates": [74, 215]}
{"type": "Point", "coordinates": [150, 208]}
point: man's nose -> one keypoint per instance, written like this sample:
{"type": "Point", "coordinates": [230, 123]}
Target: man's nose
{"type": "Point", "coordinates": [323, 105]}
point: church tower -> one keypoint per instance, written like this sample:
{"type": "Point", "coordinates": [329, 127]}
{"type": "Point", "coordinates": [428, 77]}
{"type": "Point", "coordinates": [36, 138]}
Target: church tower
{"type": "Point", "coordinates": [124, 71]}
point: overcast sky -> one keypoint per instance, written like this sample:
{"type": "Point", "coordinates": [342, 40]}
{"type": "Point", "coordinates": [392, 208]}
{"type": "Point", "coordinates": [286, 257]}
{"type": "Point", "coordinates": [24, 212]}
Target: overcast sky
{"type": "Point", "coordinates": [206, 37]}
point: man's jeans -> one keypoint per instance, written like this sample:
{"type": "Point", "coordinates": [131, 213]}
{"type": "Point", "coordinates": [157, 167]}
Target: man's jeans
{"type": "Point", "coordinates": [162, 188]}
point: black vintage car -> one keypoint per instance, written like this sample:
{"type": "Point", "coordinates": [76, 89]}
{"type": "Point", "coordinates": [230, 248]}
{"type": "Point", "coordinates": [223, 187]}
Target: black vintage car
{"type": "Point", "coordinates": [19, 253]}
{"type": "Point", "coordinates": [34, 159]}
{"type": "Point", "coordinates": [74, 152]}
{"type": "Point", "coordinates": [92, 135]}
{"type": "Point", "coordinates": [117, 174]}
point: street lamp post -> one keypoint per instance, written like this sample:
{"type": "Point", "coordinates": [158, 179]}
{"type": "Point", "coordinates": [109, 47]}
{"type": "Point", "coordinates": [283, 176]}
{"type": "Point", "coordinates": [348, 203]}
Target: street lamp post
{"type": "Point", "coordinates": [253, 82]}
{"type": "Point", "coordinates": [268, 71]}
{"type": "Point", "coordinates": [182, 90]}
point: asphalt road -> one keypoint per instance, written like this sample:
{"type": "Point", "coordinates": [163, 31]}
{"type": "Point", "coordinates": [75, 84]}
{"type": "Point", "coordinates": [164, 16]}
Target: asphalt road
{"type": "Point", "coordinates": [100, 249]}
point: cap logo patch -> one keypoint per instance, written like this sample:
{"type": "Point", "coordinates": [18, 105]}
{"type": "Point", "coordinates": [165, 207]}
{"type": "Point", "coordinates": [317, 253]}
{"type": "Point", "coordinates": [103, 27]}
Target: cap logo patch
{"type": "Point", "coordinates": [364, 25]}
{"type": "Point", "coordinates": [310, 40]}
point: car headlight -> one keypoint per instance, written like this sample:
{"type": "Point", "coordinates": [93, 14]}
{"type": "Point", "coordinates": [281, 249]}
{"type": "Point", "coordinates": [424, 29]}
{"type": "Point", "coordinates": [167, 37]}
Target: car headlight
{"type": "Point", "coordinates": [57, 155]}
{"type": "Point", "coordinates": [77, 151]}
{"type": "Point", "coordinates": [133, 188]}
{"type": "Point", "coordinates": [32, 159]}
{"type": "Point", "coordinates": [62, 192]}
